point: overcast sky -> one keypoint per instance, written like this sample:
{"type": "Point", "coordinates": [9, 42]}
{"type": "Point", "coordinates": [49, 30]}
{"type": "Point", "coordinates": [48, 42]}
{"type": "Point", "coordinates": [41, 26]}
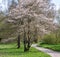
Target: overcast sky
{"type": "Point", "coordinates": [57, 3]}
{"type": "Point", "coordinates": [3, 4]}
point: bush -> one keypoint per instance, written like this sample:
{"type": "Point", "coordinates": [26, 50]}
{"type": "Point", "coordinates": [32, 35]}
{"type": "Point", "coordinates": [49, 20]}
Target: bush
{"type": "Point", "coordinates": [49, 39]}
{"type": "Point", "coordinates": [52, 38]}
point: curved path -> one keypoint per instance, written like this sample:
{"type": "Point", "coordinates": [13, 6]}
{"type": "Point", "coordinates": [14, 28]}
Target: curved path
{"type": "Point", "coordinates": [48, 51]}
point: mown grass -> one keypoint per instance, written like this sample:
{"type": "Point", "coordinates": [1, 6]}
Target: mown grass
{"type": "Point", "coordinates": [50, 46]}
{"type": "Point", "coordinates": [10, 50]}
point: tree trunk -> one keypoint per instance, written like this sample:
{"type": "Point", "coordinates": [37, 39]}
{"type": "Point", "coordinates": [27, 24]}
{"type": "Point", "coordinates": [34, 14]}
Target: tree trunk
{"type": "Point", "coordinates": [35, 35]}
{"type": "Point", "coordinates": [28, 42]}
{"type": "Point", "coordinates": [28, 47]}
{"type": "Point", "coordinates": [18, 41]}
{"type": "Point", "coordinates": [0, 39]}
{"type": "Point", "coordinates": [25, 41]}
{"type": "Point", "coordinates": [25, 48]}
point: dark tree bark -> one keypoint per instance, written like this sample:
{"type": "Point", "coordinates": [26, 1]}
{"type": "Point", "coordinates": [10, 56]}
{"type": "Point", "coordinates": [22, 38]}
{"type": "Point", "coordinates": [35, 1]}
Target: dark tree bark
{"type": "Point", "coordinates": [35, 36]}
{"type": "Point", "coordinates": [28, 47]}
{"type": "Point", "coordinates": [18, 41]}
{"type": "Point", "coordinates": [28, 42]}
{"type": "Point", "coordinates": [25, 41]}
{"type": "Point", "coordinates": [0, 39]}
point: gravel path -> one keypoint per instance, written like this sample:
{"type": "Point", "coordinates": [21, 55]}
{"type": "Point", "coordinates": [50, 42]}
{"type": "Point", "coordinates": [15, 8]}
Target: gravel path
{"type": "Point", "coordinates": [48, 51]}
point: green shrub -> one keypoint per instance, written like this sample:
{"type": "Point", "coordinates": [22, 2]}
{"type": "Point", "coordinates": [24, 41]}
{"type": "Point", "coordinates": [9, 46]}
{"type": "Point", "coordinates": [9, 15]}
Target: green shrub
{"type": "Point", "coordinates": [49, 39]}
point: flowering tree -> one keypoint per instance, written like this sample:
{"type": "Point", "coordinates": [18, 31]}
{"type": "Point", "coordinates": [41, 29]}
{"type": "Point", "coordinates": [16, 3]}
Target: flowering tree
{"type": "Point", "coordinates": [32, 17]}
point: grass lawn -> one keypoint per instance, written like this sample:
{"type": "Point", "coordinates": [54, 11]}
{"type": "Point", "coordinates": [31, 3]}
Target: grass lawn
{"type": "Point", "coordinates": [53, 47]}
{"type": "Point", "coordinates": [10, 50]}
